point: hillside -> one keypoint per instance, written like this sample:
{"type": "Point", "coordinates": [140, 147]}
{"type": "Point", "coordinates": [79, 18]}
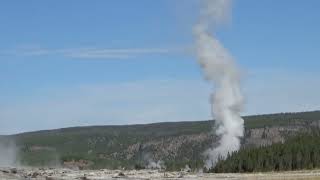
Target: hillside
{"type": "Point", "coordinates": [135, 146]}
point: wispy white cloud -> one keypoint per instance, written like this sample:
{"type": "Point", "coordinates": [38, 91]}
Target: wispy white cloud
{"type": "Point", "coordinates": [92, 53]}
{"type": "Point", "coordinates": [117, 53]}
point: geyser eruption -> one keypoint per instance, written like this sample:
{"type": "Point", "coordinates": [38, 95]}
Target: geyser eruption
{"type": "Point", "coordinates": [220, 69]}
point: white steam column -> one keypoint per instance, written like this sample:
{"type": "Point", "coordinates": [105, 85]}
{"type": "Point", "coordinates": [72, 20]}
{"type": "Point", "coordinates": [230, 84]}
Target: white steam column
{"type": "Point", "coordinates": [220, 69]}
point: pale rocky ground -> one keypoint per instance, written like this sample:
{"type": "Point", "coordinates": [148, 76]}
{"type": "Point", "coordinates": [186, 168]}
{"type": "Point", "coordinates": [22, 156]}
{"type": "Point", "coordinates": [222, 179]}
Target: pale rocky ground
{"type": "Point", "coordinates": [66, 174]}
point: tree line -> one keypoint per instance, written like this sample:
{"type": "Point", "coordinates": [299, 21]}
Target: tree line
{"type": "Point", "coordinates": [299, 152]}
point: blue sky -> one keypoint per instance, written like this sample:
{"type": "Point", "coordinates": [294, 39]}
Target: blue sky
{"type": "Point", "coordinates": [74, 63]}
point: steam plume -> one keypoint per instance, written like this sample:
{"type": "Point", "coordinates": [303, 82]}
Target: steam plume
{"type": "Point", "coordinates": [220, 69]}
{"type": "Point", "coordinates": [151, 164]}
{"type": "Point", "coordinates": [8, 153]}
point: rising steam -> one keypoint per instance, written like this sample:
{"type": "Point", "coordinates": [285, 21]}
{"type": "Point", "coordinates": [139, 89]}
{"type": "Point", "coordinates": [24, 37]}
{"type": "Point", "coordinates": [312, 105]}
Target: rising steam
{"type": "Point", "coordinates": [8, 153]}
{"type": "Point", "coordinates": [152, 164]}
{"type": "Point", "coordinates": [220, 69]}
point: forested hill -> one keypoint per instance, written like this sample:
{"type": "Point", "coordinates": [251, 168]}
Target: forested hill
{"type": "Point", "coordinates": [299, 152]}
{"type": "Point", "coordinates": [130, 146]}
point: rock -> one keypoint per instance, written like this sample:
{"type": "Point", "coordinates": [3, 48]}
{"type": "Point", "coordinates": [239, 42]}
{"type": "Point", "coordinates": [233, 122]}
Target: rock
{"type": "Point", "coordinates": [35, 174]}
{"type": "Point", "coordinates": [4, 171]}
{"type": "Point", "coordinates": [13, 170]}
{"type": "Point", "coordinates": [84, 177]}
{"type": "Point", "coordinates": [119, 175]}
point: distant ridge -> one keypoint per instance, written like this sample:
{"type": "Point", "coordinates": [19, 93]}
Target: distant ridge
{"type": "Point", "coordinates": [133, 146]}
{"type": "Point", "coordinates": [249, 117]}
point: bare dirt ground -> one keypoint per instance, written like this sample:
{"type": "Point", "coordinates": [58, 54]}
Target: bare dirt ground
{"type": "Point", "coordinates": [66, 174]}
